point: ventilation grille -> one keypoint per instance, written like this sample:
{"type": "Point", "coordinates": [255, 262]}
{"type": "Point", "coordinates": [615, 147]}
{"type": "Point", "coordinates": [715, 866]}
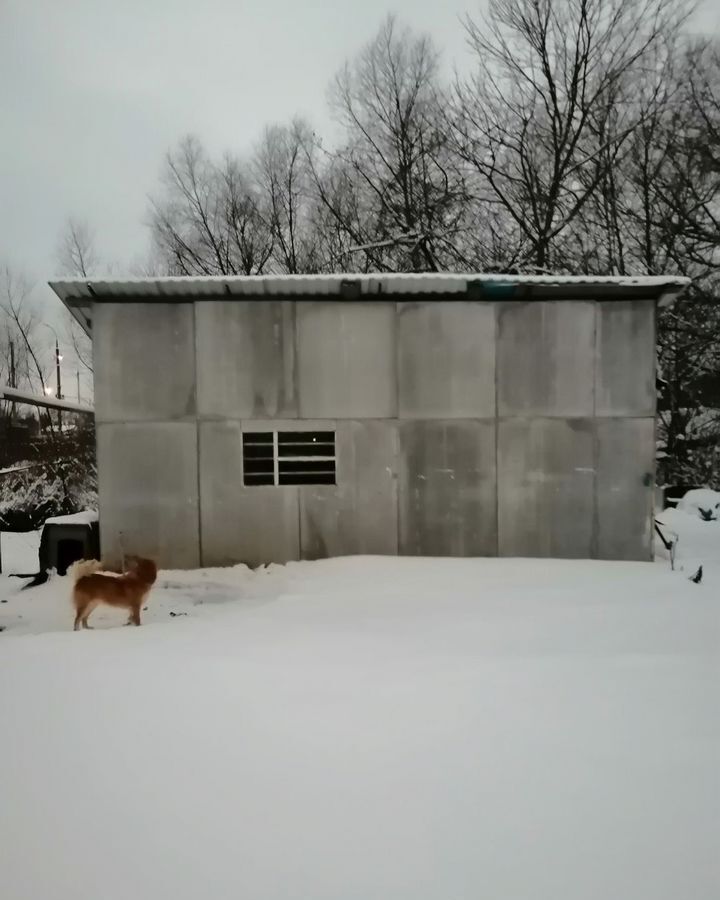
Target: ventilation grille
{"type": "Point", "coordinates": [288, 457]}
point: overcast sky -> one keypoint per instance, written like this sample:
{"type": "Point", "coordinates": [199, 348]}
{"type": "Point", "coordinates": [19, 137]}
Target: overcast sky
{"type": "Point", "coordinates": [94, 92]}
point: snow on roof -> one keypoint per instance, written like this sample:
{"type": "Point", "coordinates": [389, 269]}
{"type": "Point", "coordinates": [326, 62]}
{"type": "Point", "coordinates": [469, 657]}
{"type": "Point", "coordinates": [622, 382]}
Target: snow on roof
{"type": "Point", "coordinates": [80, 294]}
{"type": "Point", "coordinates": [16, 396]}
{"type": "Point", "coordinates": [87, 517]}
{"type": "Point", "coordinates": [395, 283]}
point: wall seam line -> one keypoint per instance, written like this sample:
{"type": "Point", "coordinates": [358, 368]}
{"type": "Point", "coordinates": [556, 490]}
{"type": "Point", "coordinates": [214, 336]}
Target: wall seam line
{"type": "Point", "coordinates": [201, 554]}
{"type": "Point", "coordinates": [496, 340]}
{"type": "Point", "coordinates": [595, 538]}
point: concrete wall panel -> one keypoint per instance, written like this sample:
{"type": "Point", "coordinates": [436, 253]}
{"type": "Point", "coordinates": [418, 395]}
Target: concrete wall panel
{"type": "Point", "coordinates": [346, 360]}
{"type": "Point", "coordinates": [148, 492]}
{"type": "Point", "coordinates": [447, 488]}
{"type": "Point", "coordinates": [625, 358]}
{"type": "Point", "coordinates": [251, 525]}
{"type": "Point", "coordinates": [246, 359]}
{"type": "Point", "coordinates": [545, 358]}
{"type": "Point", "coordinates": [446, 360]}
{"type": "Point", "coordinates": [567, 485]}
{"type": "Point", "coordinates": [359, 514]}
{"type": "Point", "coordinates": [144, 361]}
{"type": "Point", "coordinates": [625, 488]}
{"type": "Point", "coordinates": [546, 483]}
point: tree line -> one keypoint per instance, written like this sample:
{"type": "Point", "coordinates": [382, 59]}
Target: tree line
{"type": "Point", "coordinates": [582, 138]}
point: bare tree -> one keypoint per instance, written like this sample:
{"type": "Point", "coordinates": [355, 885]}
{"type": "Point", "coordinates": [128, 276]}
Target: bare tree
{"type": "Point", "coordinates": [249, 240]}
{"type": "Point", "coordinates": [688, 188]}
{"type": "Point", "coordinates": [77, 254]}
{"type": "Point", "coordinates": [408, 192]}
{"type": "Point", "coordinates": [17, 322]}
{"type": "Point", "coordinates": [656, 211]}
{"type": "Point", "coordinates": [78, 257]}
{"type": "Point", "coordinates": [19, 336]}
{"type": "Point", "coordinates": [20, 341]}
{"type": "Point", "coordinates": [679, 226]}
{"type": "Point", "coordinates": [340, 218]}
{"type": "Point", "coordinates": [586, 140]}
{"type": "Point", "coordinates": [20, 322]}
{"type": "Point", "coordinates": [283, 176]}
{"type": "Point", "coordinates": [547, 115]}
{"type": "Point", "coordinates": [207, 219]}
{"type": "Point", "coordinates": [185, 219]}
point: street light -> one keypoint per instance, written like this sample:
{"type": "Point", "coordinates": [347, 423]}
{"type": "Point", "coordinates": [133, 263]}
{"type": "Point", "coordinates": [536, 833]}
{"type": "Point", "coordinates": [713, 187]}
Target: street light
{"type": "Point", "coordinates": [58, 360]}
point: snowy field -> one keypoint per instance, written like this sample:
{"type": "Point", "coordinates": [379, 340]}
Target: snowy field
{"type": "Point", "coordinates": [370, 729]}
{"type": "Point", "coordinates": [19, 551]}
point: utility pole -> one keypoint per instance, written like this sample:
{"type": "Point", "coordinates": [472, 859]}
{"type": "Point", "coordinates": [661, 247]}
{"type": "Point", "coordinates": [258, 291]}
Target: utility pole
{"type": "Point", "coordinates": [58, 358]}
{"type": "Point", "coordinates": [77, 375]}
{"type": "Point", "coordinates": [58, 381]}
{"type": "Point", "coordinates": [58, 388]}
{"type": "Point", "coordinates": [13, 381]}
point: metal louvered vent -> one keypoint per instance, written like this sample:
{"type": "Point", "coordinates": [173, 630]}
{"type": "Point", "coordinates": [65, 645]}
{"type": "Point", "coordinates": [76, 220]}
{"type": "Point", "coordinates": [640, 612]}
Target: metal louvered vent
{"type": "Point", "coordinates": [288, 457]}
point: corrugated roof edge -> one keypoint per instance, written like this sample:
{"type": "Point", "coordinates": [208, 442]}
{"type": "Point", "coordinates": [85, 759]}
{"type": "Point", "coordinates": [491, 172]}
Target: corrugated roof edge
{"type": "Point", "coordinates": [80, 294]}
{"type": "Point", "coordinates": [404, 282]}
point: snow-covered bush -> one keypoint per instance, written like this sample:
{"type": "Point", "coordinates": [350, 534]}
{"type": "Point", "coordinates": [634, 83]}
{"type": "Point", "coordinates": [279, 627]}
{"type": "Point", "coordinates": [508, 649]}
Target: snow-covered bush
{"type": "Point", "coordinates": [702, 502]}
{"type": "Point", "coordinates": [56, 475]}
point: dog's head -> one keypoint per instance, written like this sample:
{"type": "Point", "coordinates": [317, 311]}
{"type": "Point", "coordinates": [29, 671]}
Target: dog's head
{"type": "Point", "coordinates": [143, 569]}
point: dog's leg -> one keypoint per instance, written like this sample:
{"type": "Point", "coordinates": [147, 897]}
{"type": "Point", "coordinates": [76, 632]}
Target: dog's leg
{"type": "Point", "coordinates": [135, 615]}
{"type": "Point", "coordinates": [79, 612]}
{"type": "Point", "coordinates": [86, 614]}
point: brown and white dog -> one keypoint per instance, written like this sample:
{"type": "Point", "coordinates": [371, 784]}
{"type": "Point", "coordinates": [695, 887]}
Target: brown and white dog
{"type": "Point", "coordinates": [94, 586]}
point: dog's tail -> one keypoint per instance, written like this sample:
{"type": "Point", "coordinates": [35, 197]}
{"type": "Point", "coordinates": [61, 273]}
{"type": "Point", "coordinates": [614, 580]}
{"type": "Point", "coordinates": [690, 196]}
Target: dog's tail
{"type": "Point", "coordinates": [84, 567]}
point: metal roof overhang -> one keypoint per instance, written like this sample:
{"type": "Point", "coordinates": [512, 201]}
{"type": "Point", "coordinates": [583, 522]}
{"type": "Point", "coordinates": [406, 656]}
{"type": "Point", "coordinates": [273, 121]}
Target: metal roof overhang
{"type": "Point", "coordinates": [80, 295]}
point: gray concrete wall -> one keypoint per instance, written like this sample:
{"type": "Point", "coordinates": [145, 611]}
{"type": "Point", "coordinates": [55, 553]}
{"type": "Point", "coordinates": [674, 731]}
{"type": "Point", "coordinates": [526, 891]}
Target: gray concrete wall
{"type": "Point", "coordinates": [144, 362]}
{"type": "Point", "coordinates": [448, 488]}
{"type": "Point", "coordinates": [239, 524]}
{"type": "Point", "coordinates": [360, 513]}
{"type": "Point", "coordinates": [546, 487]}
{"type": "Point", "coordinates": [146, 431]}
{"type": "Point", "coordinates": [462, 428]}
{"type": "Point", "coordinates": [246, 356]}
{"type": "Point", "coordinates": [148, 492]}
{"type": "Point", "coordinates": [446, 360]}
{"type": "Point", "coordinates": [625, 478]}
{"type": "Point", "coordinates": [545, 358]}
{"type": "Point", "coordinates": [245, 524]}
{"type": "Point", "coordinates": [346, 360]}
{"type": "Point", "coordinates": [625, 354]}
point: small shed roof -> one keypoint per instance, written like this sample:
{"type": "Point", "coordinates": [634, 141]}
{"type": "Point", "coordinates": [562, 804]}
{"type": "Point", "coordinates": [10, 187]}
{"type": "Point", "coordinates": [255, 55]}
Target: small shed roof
{"type": "Point", "coordinates": [79, 295]}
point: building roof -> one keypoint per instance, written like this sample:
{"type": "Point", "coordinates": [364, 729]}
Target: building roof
{"type": "Point", "coordinates": [79, 295]}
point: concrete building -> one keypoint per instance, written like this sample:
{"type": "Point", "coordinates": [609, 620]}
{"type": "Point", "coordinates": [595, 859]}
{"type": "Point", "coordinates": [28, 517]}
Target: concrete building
{"type": "Point", "coordinates": [259, 419]}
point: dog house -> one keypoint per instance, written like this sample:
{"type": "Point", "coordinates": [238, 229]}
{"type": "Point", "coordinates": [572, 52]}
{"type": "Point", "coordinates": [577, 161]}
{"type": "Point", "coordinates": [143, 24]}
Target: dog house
{"type": "Point", "coordinates": [273, 418]}
{"type": "Point", "coordinates": [66, 539]}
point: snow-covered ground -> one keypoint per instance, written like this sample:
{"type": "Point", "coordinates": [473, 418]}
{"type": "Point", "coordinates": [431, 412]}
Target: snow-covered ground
{"type": "Point", "coordinates": [370, 729]}
{"type": "Point", "coordinates": [19, 551]}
